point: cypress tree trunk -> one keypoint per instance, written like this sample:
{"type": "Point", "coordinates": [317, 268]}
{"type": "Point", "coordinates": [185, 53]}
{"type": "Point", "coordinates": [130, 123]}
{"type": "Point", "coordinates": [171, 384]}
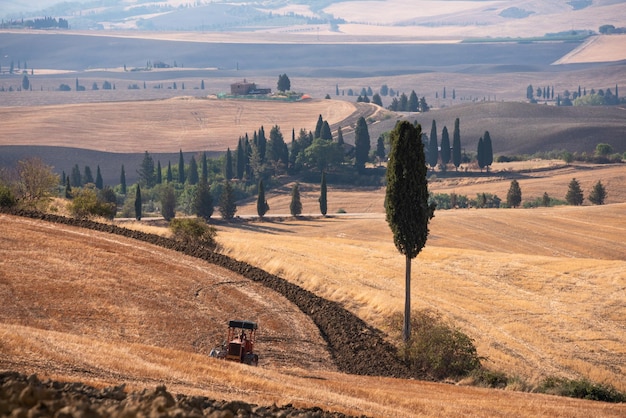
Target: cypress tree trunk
{"type": "Point", "coordinates": [406, 329]}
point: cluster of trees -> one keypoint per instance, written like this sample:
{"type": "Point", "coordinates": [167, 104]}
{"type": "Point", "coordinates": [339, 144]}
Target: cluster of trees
{"type": "Point", "coordinates": [45, 23]}
{"type": "Point", "coordinates": [409, 104]}
{"type": "Point", "coordinates": [578, 97]}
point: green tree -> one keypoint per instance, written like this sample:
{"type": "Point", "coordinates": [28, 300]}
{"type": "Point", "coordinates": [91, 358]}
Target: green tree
{"type": "Point", "coordinates": [413, 102]}
{"type": "Point", "coordinates": [181, 168]}
{"type": "Point", "coordinates": [195, 231]}
{"type": "Point", "coordinates": [445, 147]}
{"type": "Point", "coordinates": [603, 150]}
{"type": "Point", "coordinates": [123, 181]}
{"type": "Point", "coordinates": [456, 144]}
{"type": "Point", "coordinates": [241, 160]}
{"type": "Point", "coordinates": [159, 174]}
{"type": "Point", "coordinates": [361, 144]}
{"type": "Point", "coordinates": [480, 153]}
{"type": "Point", "coordinates": [295, 207]}
{"type": "Point", "coordinates": [192, 179]}
{"type": "Point", "coordinates": [87, 176]}
{"type": "Point", "coordinates": [138, 203]}
{"type": "Point", "coordinates": [99, 181]}
{"type": "Point", "coordinates": [488, 150]}
{"type": "Point", "coordinates": [25, 82]}
{"type": "Point", "coordinates": [339, 136]}
{"type": "Point", "coordinates": [205, 168]}
{"type": "Point", "coordinates": [433, 146]}
{"type": "Point", "coordinates": [406, 201]}
{"type": "Point", "coordinates": [514, 195]}
{"type": "Point", "coordinates": [277, 149]}
{"type": "Point", "coordinates": [261, 203]}
{"type": "Point", "coordinates": [68, 188]}
{"type": "Point", "coordinates": [168, 202]}
{"type": "Point", "coordinates": [228, 207]}
{"type": "Point", "coordinates": [598, 194]}
{"type": "Point", "coordinates": [146, 172]}
{"type": "Point", "coordinates": [76, 179]}
{"type": "Point", "coordinates": [284, 84]}
{"type": "Point", "coordinates": [203, 201]}
{"type": "Point", "coordinates": [87, 203]}
{"type": "Point", "coordinates": [228, 165]}
{"type": "Point", "coordinates": [169, 176]}
{"type": "Point", "coordinates": [380, 148]}
{"type": "Point", "coordinates": [36, 183]}
{"type": "Point", "coordinates": [326, 132]}
{"type": "Point", "coordinates": [574, 194]}
{"type": "Point", "coordinates": [376, 99]}
{"type": "Point", "coordinates": [323, 196]}
{"type": "Point", "coordinates": [323, 154]}
{"type": "Point", "coordinates": [318, 127]}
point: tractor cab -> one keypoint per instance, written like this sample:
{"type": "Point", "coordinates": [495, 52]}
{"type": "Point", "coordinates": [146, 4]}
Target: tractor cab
{"type": "Point", "coordinates": [239, 345]}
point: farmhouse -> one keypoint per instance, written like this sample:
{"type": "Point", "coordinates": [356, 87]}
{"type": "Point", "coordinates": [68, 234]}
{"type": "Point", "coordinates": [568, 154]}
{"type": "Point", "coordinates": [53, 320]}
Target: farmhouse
{"type": "Point", "coordinates": [244, 88]}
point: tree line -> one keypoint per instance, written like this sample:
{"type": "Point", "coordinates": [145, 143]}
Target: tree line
{"type": "Point", "coordinates": [577, 97]}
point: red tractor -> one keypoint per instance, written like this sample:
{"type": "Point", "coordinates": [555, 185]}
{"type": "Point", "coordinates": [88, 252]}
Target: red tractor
{"type": "Point", "coordinates": [239, 344]}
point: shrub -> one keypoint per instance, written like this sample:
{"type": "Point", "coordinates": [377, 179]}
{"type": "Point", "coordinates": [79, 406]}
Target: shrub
{"type": "Point", "coordinates": [582, 389]}
{"type": "Point", "coordinates": [193, 230]}
{"type": "Point", "coordinates": [436, 348]}
{"type": "Point", "coordinates": [7, 199]}
{"type": "Point", "coordinates": [87, 203]}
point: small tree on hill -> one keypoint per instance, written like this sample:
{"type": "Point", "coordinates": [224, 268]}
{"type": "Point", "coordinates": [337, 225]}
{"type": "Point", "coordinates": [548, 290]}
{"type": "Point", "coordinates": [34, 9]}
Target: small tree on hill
{"type": "Point", "coordinates": [138, 203]}
{"type": "Point", "coordinates": [323, 196]}
{"type": "Point", "coordinates": [284, 84]}
{"type": "Point", "coordinates": [456, 145]}
{"type": "Point", "coordinates": [228, 207]}
{"type": "Point", "coordinates": [574, 194]}
{"type": "Point", "coordinates": [445, 148]}
{"type": "Point", "coordinates": [598, 194]}
{"type": "Point", "coordinates": [261, 203]}
{"type": "Point", "coordinates": [514, 196]}
{"type": "Point", "coordinates": [295, 207]}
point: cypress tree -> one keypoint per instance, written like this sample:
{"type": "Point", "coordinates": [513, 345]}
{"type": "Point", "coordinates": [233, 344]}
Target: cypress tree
{"type": "Point", "coordinates": [261, 203]}
{"type": "Point", "coordinates": [169, 176]}
{"type": "Point", "coordinates": [241, 160]}
{"type": "Point", "coordinates": [295, 207]}
{"type": "Point", "coordinates": [433, 146]}
{"type": "Point", "coordinates": [99, 181]}
{"type": "Point", "coordinates": [445, 147]}
{"type": "Point", "coordinates": [228, 165]}
{"type": "Point", "coordinates": [380, 148]}
{"type": "Point", "coordinates": [68, 188]}
{"type": "Point", "coordinates": [488, 150]}
{"type": "Point", "coordinates": [413, 102]}
{"type": "Point", "coordinates": [123, 180]}
{"type": "Point", "coordinates": [181, 168]}
{"type": "Point", "coordinates": [361, 144]}
{"type": "Point", "coordinates": [159, 175]}
{"type": "Point", "coordinates": [339, 136]}
{"type": "Point", "coordinates": [146, 171]}
{"type": "Point", "coordinates": [87, 176]}
{"type": "Point", "coordinates": [318, 127]}
{"type": "Point", "coordinates": [262, 144]}
{"type": "Point", "coordinates": [323, 196]}
{"type": "Point", "coordinates": [168, 202]}
{"type": "Point", "coordinates": [192, 178]}
{"type": "Point", "coordinates": [325, 132]}
{"type": "Point", "coordinates": [228, 207]}
{"type": "Point", "coordinates": [406, 201]}
{"type": "Point", "coordinates": [456, 145]}
{"type": "Point", "coordinates": [138, 203]}
{"type": "Point", "coordinates": [75, 177]}
{"type": "Point", "coordinates": [203, 201]}
{"type": "Point", "coordinates": [514, 195]}
{"type": "Point", "coordinates": [480, 153]}
{"type": "Point", "coordinates": [574, 194]}
{"type": "Point", "coordinates": [205, 169]}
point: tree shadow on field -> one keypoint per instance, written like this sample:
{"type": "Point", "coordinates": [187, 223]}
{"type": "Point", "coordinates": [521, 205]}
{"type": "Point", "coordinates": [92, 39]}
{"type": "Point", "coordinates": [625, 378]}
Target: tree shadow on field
{"type": "Point", "coordinates": [265, 225]}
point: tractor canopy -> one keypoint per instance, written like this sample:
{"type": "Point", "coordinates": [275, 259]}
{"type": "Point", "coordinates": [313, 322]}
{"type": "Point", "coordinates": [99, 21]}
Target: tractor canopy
{"type": "Point", "coordinates": [242, 324]}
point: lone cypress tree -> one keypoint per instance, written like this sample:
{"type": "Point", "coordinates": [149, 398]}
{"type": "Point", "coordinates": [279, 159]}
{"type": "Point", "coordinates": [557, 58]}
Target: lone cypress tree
{"type": "Point", "coordinates": [295, 207]}
{"type": "Point", "coordinates": [488, 150]}
{"type": "Point", "coordinates": [323, 196]}
{"type": "Point", "coordinates": [138, 203]}
{"type": "Point", "coordinates": [480, 153]}
{"type": "Point", "coordinates": [406, 201]}
{"type": "Point", "coordinates": [574, 194]}
{"type": "Point", "coordinates": [456, 145]}
{"type": "Point", "coordinates": [514, 195]}
{"type": "Point", "coordinates": [261, 203]}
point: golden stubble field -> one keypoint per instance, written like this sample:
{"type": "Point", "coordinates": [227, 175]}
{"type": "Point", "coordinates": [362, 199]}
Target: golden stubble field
{"type": "Point", "coordinates": [106, 310]}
